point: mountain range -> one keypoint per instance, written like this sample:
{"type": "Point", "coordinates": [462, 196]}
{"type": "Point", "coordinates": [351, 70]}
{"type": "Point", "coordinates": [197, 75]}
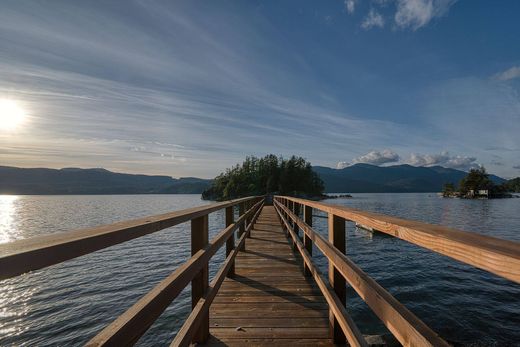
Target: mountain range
{"type": "Point", "coordinates": [358, 178]}
{"type": "Point", "coordinates": [15, 180]}
{"type": "Point", "coordinates": [366, 178]}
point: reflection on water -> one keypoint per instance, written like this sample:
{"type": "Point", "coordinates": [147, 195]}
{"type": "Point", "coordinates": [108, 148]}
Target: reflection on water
{"type": "Point", "coordinates": [7, 218]}
{"type": "Point", "coordinates": [68, 303]}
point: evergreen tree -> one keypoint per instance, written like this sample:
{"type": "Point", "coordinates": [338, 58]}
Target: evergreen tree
{"type": "Point", "coordinates": [259, 176]}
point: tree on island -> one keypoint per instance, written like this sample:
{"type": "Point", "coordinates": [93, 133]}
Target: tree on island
{"type": "Point", "coordinates": [448, 190]}
{"type": "Point", "coordinates": [259, 176]}
{"type": "Point", "coordinates": [477, 179]}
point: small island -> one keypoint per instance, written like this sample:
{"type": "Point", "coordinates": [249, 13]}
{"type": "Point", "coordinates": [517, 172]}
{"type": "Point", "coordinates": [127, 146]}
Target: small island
{"type": "Point", "coordinates": [478, 185]}
{"type": "Point", "coordinates": [267, 175]}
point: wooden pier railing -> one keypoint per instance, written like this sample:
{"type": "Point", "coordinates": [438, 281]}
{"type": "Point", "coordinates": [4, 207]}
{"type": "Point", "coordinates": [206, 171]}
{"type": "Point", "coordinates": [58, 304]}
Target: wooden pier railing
{"type": "Point", "coordinates": [35, 253]}
{"type": "Point", "coordinates": [267, 280]}
{"type": "Point", "coordinates": [500, 257]}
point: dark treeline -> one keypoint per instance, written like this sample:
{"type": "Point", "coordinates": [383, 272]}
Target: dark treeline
{"type": "Point", "coordinates": [513, 185]}
{"type": "Point", "coordinates": [259, 176]}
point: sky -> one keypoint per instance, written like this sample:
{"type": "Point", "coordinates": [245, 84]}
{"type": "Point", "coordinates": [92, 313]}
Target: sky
{"type": "Point", "coordinates": [189, 88]}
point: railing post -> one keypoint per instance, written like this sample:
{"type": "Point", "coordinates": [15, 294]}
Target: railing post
{"type": "Point", "coordinates": [230, 243]}
{"type": "Point", "coordinates": [241, 210]}
{"type": "Point", "coordinates": [291, 208]}
{"type": "Point", "coordinates": [307, 242]}
{"type": "Point", "coordinates": [242, 228]}
{"type": "Point", "coordinates": [337, 281]}
{"type": "Point", "coordinates": [199, 284]}
{"type": "Point", "coordinates": [249, 204]}
{"type": "Point", "coordinates": [296, 211]}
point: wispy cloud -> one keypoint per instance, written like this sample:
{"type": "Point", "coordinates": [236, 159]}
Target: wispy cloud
{"type": "Point", "coordinates": [409, 14]}
{"type": "Point", "coordinates": [350, 5]}
{"type": "Point", "coordinates": [509, 74]}
{"type": "Point", "coordinates": [415, 14]}
{"type": "Point", "coordinates": [516, 167]}
{"type": "Point", "coordinates": [373, 19]}
{"type": "Point", "coordinates": [98, 99]}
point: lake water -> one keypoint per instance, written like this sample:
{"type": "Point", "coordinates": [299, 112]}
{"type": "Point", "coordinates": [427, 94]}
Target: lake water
{"type": "Point", "coordinates": [69, 303]}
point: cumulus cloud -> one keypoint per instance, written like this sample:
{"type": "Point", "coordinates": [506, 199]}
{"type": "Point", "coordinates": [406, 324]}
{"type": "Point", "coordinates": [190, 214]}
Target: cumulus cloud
{"type": "Point", "coordinates": [509, 74]}
{"type": "Point", "coordinates": [373, 19]}
{"type": "Point", "coordinates": [415, 14]}
{"type": "Point", "coordinates": [373, 157]}
{"type": "Point", "coordinates": [443, 159]}
{"type": "Point", "coordinates": [350, 5]}
{"type": "Point", "coordinates": [342, 164]}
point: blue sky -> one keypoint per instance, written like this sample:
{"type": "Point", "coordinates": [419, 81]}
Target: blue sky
{"type": "Point", "coordinates": [188, 88]}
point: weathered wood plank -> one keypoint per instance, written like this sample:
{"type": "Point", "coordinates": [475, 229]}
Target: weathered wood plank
{"type": "Point", "coordinates": [269, 322]}
{"type": "Point", "coordinates": [270, 332]}
{"type": "Point", "coordinates": [269, 298]}
{"type": "Point", "coordinates": [238, 342]}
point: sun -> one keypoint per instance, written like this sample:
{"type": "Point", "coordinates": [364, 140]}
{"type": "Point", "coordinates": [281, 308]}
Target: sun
{"type": "Point", "coordinates": [11, 114]}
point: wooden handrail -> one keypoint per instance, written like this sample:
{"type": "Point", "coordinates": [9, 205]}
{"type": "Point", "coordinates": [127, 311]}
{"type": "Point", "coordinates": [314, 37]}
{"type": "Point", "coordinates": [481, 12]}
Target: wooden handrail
{"type": "Point", "coordinates": [501, 257]}
{"type": "Point", "coordinates": [192, 323]}
{"type": "Point", "coordinates": [352, 333]}
{"type": "Point", "coordinates": [403, 324]}
{"type": "Point", "coordinates": [133, 323]}
{"type": "Point", "coordinates": [26, 255]}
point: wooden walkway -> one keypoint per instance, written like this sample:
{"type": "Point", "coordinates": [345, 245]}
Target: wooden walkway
{"type": "Point", "coordinates": [269, 301]}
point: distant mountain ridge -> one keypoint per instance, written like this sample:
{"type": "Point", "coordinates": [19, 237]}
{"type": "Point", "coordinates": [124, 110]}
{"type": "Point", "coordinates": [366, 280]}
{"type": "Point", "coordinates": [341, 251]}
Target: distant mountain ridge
{"type": "Point", "coordinates": [15, 180]}
{"type": "Point", "coordinates": [366, 178]}
{"type": "Point", "coordinates": [358, 178]}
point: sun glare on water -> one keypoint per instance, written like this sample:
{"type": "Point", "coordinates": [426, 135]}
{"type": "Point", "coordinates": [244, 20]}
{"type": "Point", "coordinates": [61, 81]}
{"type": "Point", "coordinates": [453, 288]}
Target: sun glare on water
{"type": "Point", "coordinates": [11, 115]}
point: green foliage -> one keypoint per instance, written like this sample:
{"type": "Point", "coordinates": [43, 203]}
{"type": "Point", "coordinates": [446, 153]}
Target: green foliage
{"type": "Point", "coordinates": [477, 179]}
{"type": "Point", "coordinates": [259, 176]}
{"type": "Point", "coordinates": [513, 185]}
{"type": "Point", "coordinates": [448, 190]}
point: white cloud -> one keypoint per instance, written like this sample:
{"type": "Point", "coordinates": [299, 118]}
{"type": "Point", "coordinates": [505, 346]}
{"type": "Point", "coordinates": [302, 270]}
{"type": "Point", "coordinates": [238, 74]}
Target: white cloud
{"type": "Point", "coordinates": [443, 159]}
{"type": "Point", "coordinates": [378, 157]}
{"type": "Point", "coordinates": [509, 74]}
{"type": "Point", "coordinates": [415, 14]}
{"type": "Point", "coordinates": [350, 5]}
{"type": "Point", "coordinates": [373, 19]}
{"type": "Point", "coordinates": [342, 164]}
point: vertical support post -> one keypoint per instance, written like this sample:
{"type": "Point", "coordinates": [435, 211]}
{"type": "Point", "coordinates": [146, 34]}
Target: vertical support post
{"type": "Point", "coordinates": [230, 243]}
{"type": "Point", "coordinates": [291, 208]}
{"type": "Point", "coordinates": [242, 228]}
{"type": "Point", "coordinates": [199, 284]}
{"type": "Point", "coordinates": [297, 213]}
{"type": "Point", "coordinates": [249, 219]}
{"type": "Point", "coordinates": [296, 208]}
{"type": "Point", "coordinates": [307, 242]}
{"type": "Point", "coordinates": [241, 210]}
{"type": "Point", "coordinates": [337, 238]}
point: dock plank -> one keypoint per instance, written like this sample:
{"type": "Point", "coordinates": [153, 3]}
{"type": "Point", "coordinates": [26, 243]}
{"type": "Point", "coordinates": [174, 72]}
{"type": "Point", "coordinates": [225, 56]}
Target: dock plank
{"type": "Point", "coordinates": [269, 301]}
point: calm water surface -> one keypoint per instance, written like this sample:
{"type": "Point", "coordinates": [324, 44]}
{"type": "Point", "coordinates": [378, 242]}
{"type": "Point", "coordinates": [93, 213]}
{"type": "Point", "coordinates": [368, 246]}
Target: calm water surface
{"type": "Point", "coordinates": [69, 303]}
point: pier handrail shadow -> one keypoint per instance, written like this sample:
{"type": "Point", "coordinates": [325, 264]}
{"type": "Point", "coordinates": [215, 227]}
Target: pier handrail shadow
{"type": "Point", "coordinates": [497, 256]}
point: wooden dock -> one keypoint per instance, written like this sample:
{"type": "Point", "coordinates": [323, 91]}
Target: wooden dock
{"type": "Point", "coordinates": [269, 301]}
{"type": "Point", "coordinates": [268, 291]}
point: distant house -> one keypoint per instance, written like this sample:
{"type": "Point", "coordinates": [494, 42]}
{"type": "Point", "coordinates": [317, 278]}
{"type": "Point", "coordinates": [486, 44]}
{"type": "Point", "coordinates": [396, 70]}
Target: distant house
{"type": "Point", "coordinates": [481, 193]}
